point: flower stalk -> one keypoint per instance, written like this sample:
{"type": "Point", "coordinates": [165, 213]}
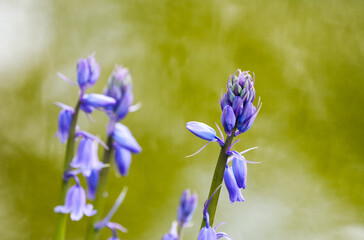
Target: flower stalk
{"type": "Point", "coordinates": [217, 179]}
{"type": "Point", "coordinates": [92, 233]}
{"type": "Point", "coordinates": [62, 218]}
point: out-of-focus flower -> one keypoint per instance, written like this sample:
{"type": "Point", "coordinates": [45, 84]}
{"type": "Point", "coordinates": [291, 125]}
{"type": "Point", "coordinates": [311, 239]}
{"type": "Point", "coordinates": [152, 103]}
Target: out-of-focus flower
{"type": "Point", "coordinates": [122, 159]}
{"type": "Point", "coordinates": [64, 122]}
{"type": "Point", "coordinates": [76, 203]}
{"type": "Point", "coordinates": [120, 88]}
{"type": "Point", "coordinates": [88, 72]}
{"type": "Point", "coordinates": [125, 139]}
{"type": "Point", "coordinates": [92, 182]}
{"type": "Point", "coordinates": [231, 185]}
{"type": "Point", "coordinates": [86, 158]}
{"type": "Point", "coordinates": [172, 235]}
{"type": "Point", "coordinates": [186, 208]}
{"type": "Point", "coordinates": [91, 101]}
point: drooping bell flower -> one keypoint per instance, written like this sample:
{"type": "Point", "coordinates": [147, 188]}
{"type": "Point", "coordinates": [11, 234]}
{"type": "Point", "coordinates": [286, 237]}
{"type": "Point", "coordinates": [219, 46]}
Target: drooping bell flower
{"type": "Point", "coordinates": [240, 170]}
{"type": "Point", "coordinates": [119, 87]}
{"type": "Point", "coordinates": [186, 208]}
{"type": "Point", "coordinates": [231, 185]}
{"type": "Point", "coordinates": [172, 235]}
{"type": "Point", "coordinates": [92, 101]}
{"type": "Point", "coordinates": [240, 96]}
{"type": "Point", "coordinates": [122, 159]}
{"type": "Point", "coordinates": [201, 130]}
{"type": "Point", "coordinates": [64, 122]}
{"type": "Point", "coordinates": [92, 182]}
{"type": "Point", "coordinates": [228, 119]}
{"type": "Point", "coordinates": [86, 158]}
{"type": "Point", "coordinates": [208, 232]}
{"type": "Point", "coordinates": [125, 139]}
{"type": "Point", "coordinates": [76, 203]}
{"type": "Point", "coordinates": [88, 72]}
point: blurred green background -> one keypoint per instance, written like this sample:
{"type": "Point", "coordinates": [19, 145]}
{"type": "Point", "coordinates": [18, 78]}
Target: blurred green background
{"type": "Point", "coordinates": [308, 60]}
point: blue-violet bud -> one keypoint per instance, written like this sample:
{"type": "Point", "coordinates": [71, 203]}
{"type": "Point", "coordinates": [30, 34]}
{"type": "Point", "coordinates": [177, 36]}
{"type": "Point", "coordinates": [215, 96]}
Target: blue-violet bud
{"type": "Point", "coordinates": [231, 185]}
{"type": "Point", "coordinates": [240, 170]}
{"type": "Point", "coordinates": [122, 160]}
{"type": "Point", "coordinates": [124, 138]}
{"type": "Point", "coordinates": [228, 119]}
{"type": "Point", "coordinates": [98, 101]}
{"type": "Point", "coordinates": [88, 71]}
{"type": "Point", "coordinates": [76, 204]}
{"type": "Point", "coordinates": [201, 130]}
{"type": "Point", "coordinates": [64, 122]}
{"type": "Point", "coordinates": [187, 206]}
{"type": "Point", "coordinates": [92, 182]}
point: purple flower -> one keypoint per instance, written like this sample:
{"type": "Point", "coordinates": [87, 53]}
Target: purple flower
{"type": "Point", "coordinates": [125, 139]}
{"type": "Point", "coordinates": [92, 182]}
{"type": "Point", "coordinates": [64, 122]}
{"type": "Point", "coordinates": [172, 235]}
{"type": "Point", "coordinates": [201, 130]}
{"type": "Point", "coordinates": [86, 158]}
{"type": "Point", "coordinates": [119, 87]}
{"type": "Point", "coordinates": [239, 96]}
{"type": "Point", "coordinates": [231, 185]}
{"type": "Point", "coordinates": [187, 206]}
{"type": "Point", "coordinates": [91, 101]}
{"type": "Point", "coordinates": [209, 233]}
{"type": "Point", "coordinates": [228, 119]}
{"type": "Point", "coordinates": [240, 170]}
{"type": "Point", "coordinates": [76, 204]}
{"type": "Point", "coordinates": [122, 160]}
{"type": "Point", "coordinates": [88, 71]}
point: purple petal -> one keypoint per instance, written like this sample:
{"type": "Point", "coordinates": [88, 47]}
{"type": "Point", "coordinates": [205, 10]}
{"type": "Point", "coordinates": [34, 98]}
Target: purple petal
{"type": "Point", "coordinates": [124, 105]}
{"type": "Point", "coordinates": [89, 211]}
{"type": "Point", "coordinates": [232, 187]}
{"type": "Point", "coordinates": [61, 209]}
{"type": "Point", "coordinates": [124, 138]}
{"type": "Point", "coordinates": [222, 234]}
{"type": "Point", "coordinates": [95, 100]}
{"type": "Point", "coordinates": [240, 170]}
{"type": "Point", "coordinates": [207, 233]}
{"type": "Point", "coordinates": [78, 204]}
{"type": "Point", "coordinates": [201, 130]}
{"type": "Point", "coordinates": [122, 160]}
{"type": "Point", "coordinates": [94, 70]}
{"type": "Point", "coordinates": [228, 119]}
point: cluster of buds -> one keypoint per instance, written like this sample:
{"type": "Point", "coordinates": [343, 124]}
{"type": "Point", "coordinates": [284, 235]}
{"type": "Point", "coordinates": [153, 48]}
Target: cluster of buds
{"type": "Point", "coordinates": [238, 111]}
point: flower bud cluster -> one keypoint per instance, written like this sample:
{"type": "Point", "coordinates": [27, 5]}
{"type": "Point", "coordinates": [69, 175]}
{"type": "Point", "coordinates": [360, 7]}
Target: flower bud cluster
{"type": "Point", "coordinates": [238, 111]}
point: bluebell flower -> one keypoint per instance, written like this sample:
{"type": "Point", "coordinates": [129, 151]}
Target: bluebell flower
{"type": "Point", "coordinates": [91, 101]}
{"type": "Point", "coordinates": [240, 170]}
{"type": "Point", "coordinates": [86, 158]}
{"type": "Point", "coordinates": [88, 72]}
{"type": "Point", "coordinates": [186, 208]}
{"type": "Point", "coordinates": [120, 88]}
{"type": "Point", "coordinates": [228, 119]}
{"type": "Point", "coordinates": [64, 122]}
{"type": "Point", "coordinates": [122, 159]}
{"type": "Point", "coordinates": [125, 139]}
{"type": "Point", "coordinates": [172, 235]}
{"type": "Point", "coordinates": [239, 96]}
{"type": "Point", "coordinates": [76, 203]}
{"type": "Point", "coordinates": [92, 182]}
{"type": "Point", "coordinates": [231, 185]}
{"type": "Point", "coordinates": [209, 233]}
{"type": "Point", "coordinates": [201, 130]}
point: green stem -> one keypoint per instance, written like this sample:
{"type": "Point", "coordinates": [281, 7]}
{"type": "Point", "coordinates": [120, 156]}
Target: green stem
{"type": "Point", "coordinates": [62, 219]}
{"type": "Point", "coordinates": [91, 232]}
{"type": "Point", "coordinates": [217, 180]}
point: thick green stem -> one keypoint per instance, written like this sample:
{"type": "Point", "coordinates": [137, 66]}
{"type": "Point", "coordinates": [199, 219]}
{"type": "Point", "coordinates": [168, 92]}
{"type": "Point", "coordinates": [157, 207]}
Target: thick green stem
{"type": "Point", "coordinates": [62, 219]}
{"type": "Point", "coordinates": [99, 203]}
{"type": "Point", "coordinates": [217, 180]}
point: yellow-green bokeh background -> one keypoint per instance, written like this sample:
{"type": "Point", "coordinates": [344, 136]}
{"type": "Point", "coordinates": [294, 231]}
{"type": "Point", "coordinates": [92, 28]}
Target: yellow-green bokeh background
{"type": "Point", "coordinates": [308, 60]}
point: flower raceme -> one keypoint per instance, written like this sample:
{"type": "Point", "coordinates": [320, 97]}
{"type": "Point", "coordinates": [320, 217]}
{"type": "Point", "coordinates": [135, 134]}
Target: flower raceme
{"type": "Point", "coordinates": [237, 103]}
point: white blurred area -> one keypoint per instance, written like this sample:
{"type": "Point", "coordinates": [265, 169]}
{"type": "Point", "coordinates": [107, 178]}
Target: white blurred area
{"type": "Point", "coordinates": [25, 28]}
